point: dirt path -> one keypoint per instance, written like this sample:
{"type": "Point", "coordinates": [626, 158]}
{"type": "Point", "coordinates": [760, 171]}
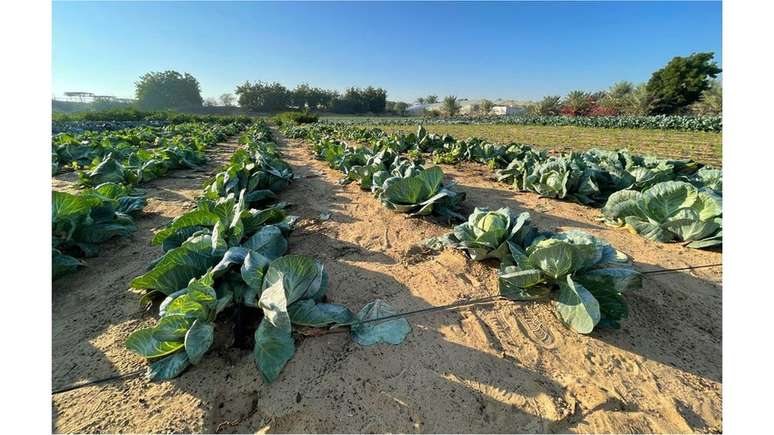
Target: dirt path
{"type": "Point", "coordinates": [502, 368]}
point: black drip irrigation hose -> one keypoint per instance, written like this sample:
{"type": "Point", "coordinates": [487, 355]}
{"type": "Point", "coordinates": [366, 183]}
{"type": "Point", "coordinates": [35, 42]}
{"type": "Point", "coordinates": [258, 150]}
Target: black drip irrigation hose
{"type": "Point", "coordinates": [340, 327]}
{"type": "Point", "coordinates": [680, 268]}
{"type": "Point", "coordinates": [98, 381]}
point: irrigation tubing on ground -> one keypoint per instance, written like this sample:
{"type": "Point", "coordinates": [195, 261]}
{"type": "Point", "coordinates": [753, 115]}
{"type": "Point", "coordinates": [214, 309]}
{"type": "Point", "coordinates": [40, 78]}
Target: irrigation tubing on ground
{"type": "Point", "coordinates": [680, 268]}
{"type": "Point", "coordinates": [98, 381]}
{"type": "Point", "coordinates": [340, 327]}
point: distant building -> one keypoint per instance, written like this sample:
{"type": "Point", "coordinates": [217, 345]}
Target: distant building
{"type": "Point", "coordinates": [472, 107]}
{"type": "Point", "coordinates": [506, 110]}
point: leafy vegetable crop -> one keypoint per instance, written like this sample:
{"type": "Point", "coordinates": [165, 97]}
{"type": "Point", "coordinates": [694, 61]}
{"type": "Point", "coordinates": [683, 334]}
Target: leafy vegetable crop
{"type": "Point", "coordinates": [661, 122]}
{"type": "Point", "coordinates": [669, 211]}
{"type": "Point", "coordinates": [401, 184]}
{"type": "Point", "coordinates": [585, 276]}
{"type": "Point", "coordinates": [589, 178]}
{"type": "Point", "coordinates": [227, 259]}
{"type": "Point", "coordinates": [80, 222]}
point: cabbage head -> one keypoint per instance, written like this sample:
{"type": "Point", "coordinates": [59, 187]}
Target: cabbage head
{"type": "Point", "coordinates": [486, 233]}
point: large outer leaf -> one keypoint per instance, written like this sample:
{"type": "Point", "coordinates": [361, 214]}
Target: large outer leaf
{"type": "Point", "coordinates": [233, 256]}
{"type": "Point", "coordinates": [307, 312]}
{"type": "Point", "coordinates": [198, 340]}
{"type": "Point", "coordinates": [143, 343]}
{"type": "Point", "coordinates": [185, 305]}
{"type": "Point", "coordinates": [391, 331]}
{"type": "Point", "coordinates": [622, 204]}
{"type": "Point", "coordinates": [268, 241]}
{"type": "Point", "coordinates": [302, 277]}
{"type": "Point", "coordinates": [206, 214]}
{"type": "Point", "coordinates": [649, 230]}
{"type": "Point", "coordinates": [665, 199]}
{"type": "Point", "coordinates": [253, 271]}
{"type": "Point", "coordinates": [275, 305]}
{"type": "Point", "coordinates": [273, 349]}
{"type": "Point", "coordinates": [62, 264]}
{"type": "Point", "coordinates": [619, 279]}
{"type": "Point", "coordinates": [577, 307]}
{"type": "Point", "coordinates": [708, 205]}
{"type": "Point", "coordinates": [169, 367]}
{"type": "Point", "coordinates": [172, 328]}
{"type": "Point", "coordinates": [178, 266]}
{"type": "Point", "coordinates": [65, 205]}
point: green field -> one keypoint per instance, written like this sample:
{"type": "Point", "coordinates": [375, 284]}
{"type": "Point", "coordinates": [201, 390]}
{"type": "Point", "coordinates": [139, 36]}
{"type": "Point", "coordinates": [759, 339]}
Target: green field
{"type": "Point", "coordinates": [704, 147]}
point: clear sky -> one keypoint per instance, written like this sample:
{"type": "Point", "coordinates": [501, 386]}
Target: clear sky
{"type": "Point", "coordinates": [472, 50]}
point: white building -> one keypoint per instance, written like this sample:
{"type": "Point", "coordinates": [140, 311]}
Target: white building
{"type": "Point", "coordinates": [472, 107]}
{"type": "Point", "coordinates": [506, 110]}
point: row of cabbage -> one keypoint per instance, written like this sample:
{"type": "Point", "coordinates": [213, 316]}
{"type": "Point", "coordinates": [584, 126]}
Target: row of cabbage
{"type": "Point", "coordinates": [80, 222]}
{"type": "Point", "coordinates": [590, 178]}
{"type": "Point", "coordinates": [226, 260]}
{"type": "Point", "coordinates": [135, 155]}
{"type": "Point", "coordinates": [113, 164]}
{"type": "Point", "coordinates": [711, 123]}
{"type": "Point", "coordinates": [120, 120]}
{"type": "Point", "coordinates": [582, 274]}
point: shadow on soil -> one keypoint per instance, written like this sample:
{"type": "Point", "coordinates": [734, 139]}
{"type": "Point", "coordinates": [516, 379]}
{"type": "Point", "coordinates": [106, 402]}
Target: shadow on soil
{"type": "Point", "coordinates": [675, 311]}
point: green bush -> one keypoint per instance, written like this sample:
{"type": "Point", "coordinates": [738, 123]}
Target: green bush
{"type": "Point", "coordinates": [295, 118]}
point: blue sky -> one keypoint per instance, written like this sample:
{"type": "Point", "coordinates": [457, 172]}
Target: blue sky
{"type": "Point", "coordinates": [472, 50]}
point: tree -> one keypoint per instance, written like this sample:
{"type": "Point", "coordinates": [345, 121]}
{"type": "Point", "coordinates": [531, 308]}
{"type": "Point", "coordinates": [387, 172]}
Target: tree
{"type": "Point", "coordinates": [400, 107]}
{"type": "Point", "coordinates": [618, 99]}
{"type": "Point", "coordinates": [548, 106]}
{"type": "Point", "coordinates": [356, 100]}
{"type": "Point", "coordinates": [711, 100]}
{"type": "Point", "coordinates": [450, 105]}
{"type": "Point", "coordinates": [168, 90]}
{"type": "Point", "coordinates": [621, 90]}
{"type": "Point", "coordinates": [577, 103]}
{"type": "Point", "coordinates": [307, 96]}
{"type": "Point", "coordinates": [375, 98]}
{"type": "Point", "coordinates": [263, 96]}
{"type": "Point", "coordinates": [431, 99]}
{"type": "Point", "coordinates": [486, 106]}
{"type": "Point", "coordinates": [421, 100]}
{"type": "Point", "coordinates": [640, 101]}
{"type": "Point", "coordinates": [227, 100]}
{"type": "Point", "coordinates": [681, 82]}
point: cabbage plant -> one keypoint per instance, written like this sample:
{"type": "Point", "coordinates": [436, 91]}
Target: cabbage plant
{"type": "Point", "coordinates": [421, 194]}
{"type": "Point", "coordinates": [669, 211]}
{"type": "Point", "coordinates": [487, 233]}
{"type": "Point", "coordinates": [585, 276]}
{"type": "Point", "coordinates": [224, 259]}
{"type": "Point", "coordinates": [82, 221]}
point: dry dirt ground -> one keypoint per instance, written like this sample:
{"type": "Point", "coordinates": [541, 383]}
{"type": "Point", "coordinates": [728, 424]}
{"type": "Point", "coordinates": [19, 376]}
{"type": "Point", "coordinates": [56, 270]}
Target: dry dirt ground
{"type": "Point", "coordinates": [500, 368]}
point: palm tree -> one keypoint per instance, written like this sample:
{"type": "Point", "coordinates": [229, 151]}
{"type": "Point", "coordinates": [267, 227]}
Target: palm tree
{"type": "Point", "coordinates": [640, 101]}
{"type": "Point", "coordinates": [548, 106]}
{"type": "Point", "coordinates": [486, 106]}
{"type": "Point", "coordinates": [431, 99]}
{"type": "Point", "coordinates": [711, 100]}
{"type": "Point", "coordinates": [621, 90]}
{"type": "Point", "coordinates": [421, 100]}
{"type": "Point", "coordinates": [450, 105]}
{"type": "Point", "coordinates": [577, 103]}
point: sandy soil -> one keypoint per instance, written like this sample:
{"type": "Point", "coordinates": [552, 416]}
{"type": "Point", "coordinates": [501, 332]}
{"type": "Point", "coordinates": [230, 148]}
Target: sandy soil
{"type": "Point", "coordinates": [501, 368]}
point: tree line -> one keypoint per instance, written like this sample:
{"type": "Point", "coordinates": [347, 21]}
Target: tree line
{"type": "Point", "coordinates": [684, 85]}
